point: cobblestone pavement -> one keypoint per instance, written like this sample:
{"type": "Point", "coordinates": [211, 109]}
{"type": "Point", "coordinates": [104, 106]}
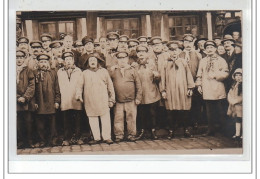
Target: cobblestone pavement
{"type": "Point", "coordinates": [198, 144]}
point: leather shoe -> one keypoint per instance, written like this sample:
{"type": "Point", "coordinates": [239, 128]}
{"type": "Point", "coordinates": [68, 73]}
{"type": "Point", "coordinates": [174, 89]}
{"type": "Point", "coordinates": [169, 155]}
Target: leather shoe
{"type": "Point", "coordinates": [118, 140]}
{"type": "Point", "coordinates": [154, 136]}
{"type": "Point", "coordinates": [131, 139]}
{"type": "Point", "coordinates": [170, 135]}
{"type": "Point", "coordinates": [94, 142]}
{"type": "Point", "coordinates": [187, 133]}
{"type": "Point", "coordinates": [109, 141]}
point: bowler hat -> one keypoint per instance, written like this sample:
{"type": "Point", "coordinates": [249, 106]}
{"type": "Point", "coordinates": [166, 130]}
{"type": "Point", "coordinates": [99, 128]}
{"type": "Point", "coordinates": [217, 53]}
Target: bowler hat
{"type": "Point", "coordinates": [227, 37]}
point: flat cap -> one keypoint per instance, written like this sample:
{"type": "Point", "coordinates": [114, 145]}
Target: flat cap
{"type": "Point", "coordinates": [46, 35]}
{"type": "Point", "coordinates": [123, 38]}
{"type": "Point", "coordinates": [56, 44]}
{"type": "Point", "coordinates": [173, 43]}
{"type": "Point", "coordinates": [96, 55]}
{"type": "Point", "coordinates": [86, 40]}
{"type": "Point", "coordinates": [112, 35]}
{"type": "Point", "coordinates": [188, 37]}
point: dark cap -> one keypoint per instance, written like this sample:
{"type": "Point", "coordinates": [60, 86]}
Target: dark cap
{"type": "Point", "coordinates": [123, 38]}
{"type": "Point", "coordinates": [86, 40]}
{"type": "Point", "coordinates": [67, 54]}
{"type": "Point", "coordinates": [156, 40]}
{"type": "Point", "coordinates": [96, 55]}
{"type": "Point", "coordinates": [188, 37]}
{"type": "Point", "coordinates": [43, 57]}
{"type": "Point", "coordinates": [175, 42]}
{"type": "Point", "coordinates": [132, 42]}
{"type": "Point", "coordinates": [121, 55]}
{"type": "Point", "coordinates": [112, 35]}
{"type": "Point", "coordinates": [227, 37]}
{"type": "Point", "coordinates": [210, 42]}
{"type": "Point", "coordinates": [23, 40]}
{"type": "Point", "coordinates": [142, 39]}
{"type": "Point", "coordinates": [141, 48]}
{"type": "Point", "coordinates": [55, 44]}
{"type": "Point", "coordinates": [77, 43]}
{"type": "Point", "coordinates": [198, 40]}
{"type": "Point", "coordinates": [46, 35]}
{"type": "Point", "coordinates": [237, 43]}
{"type": "Point", "coordinates": [36, 44]}
{"type": "Point", "coordinates": [20, 53]}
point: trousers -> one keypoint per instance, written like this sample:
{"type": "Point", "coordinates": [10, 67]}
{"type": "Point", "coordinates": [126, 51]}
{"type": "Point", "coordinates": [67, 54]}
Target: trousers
{"type": "Point", "coordinates": [46, 127]}
{"type": "Point", "coordinates": [105, 125]}
{"type": "Point", "coordinates": [71, 123]}
{"type": "Point", "coordinates": [130, 109]}
{"type": "Point", "coordinates": [24, 127]}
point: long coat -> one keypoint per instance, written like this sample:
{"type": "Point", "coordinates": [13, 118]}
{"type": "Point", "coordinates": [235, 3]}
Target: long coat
{"type": "Point", "coordinates": [47, 91]}
{"type": "Point", "coordinates": [68, 84]}
{"type": "Point", "coordinates": [235, 102]}
{"type": "Point", "coordinates": [211, 74]}
{"type": "Point", "coordinates": [25, 88]}
{"type": "Point", "coordinates": [98, 90]}
{"type": "Point", "coordinates": [150, 90]}
{"type": "Point", "coordinates": [177, 79]}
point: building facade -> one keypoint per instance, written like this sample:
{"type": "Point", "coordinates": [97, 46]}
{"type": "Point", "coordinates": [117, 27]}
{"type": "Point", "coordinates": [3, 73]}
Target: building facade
{"type": "Point", "coordinates": [167, 24]}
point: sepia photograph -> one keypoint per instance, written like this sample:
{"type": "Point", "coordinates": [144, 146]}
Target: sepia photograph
{"type": "Point", "coordinates": [129, 82]}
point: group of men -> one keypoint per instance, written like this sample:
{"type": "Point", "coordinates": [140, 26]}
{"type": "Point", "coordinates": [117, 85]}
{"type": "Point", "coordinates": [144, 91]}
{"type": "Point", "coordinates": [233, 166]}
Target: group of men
{"type": "Point", "coordinates": [114, 81]}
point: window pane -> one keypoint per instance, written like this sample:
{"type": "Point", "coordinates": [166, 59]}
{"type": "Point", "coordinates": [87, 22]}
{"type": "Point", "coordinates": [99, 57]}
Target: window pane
{"type": "Point", "coordinates": [126, 24]}
{"type": "Point", "coordinates": [62, 27]}
{"type": "Point", "coordinates": [69, 27]}
{"type": "Point", "coordinates": [116, 24]}
{"type": "Point", "coordinates": [133, 24]}
{"type": "Point", "coordinates": [178, 21]}
{"type": "Point", "coordinates": [179, 31]}
{"type": "Point", "coordinates": [187, 30]}
{"type": "Point", "coordinates": [109, 25]}
{"type": "Point", "coordinates": [194, 21]}
{"type": "Point", "coordinates": [172, 32]}
{"type": "Point", "coordinates": [186, 21]}
{"type": "Point", "coordinates": [171, 22]}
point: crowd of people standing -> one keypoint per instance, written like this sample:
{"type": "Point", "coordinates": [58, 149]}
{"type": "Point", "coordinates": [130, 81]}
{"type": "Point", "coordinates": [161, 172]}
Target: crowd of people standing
{"type": "Point", "coordinates": [114, 82]}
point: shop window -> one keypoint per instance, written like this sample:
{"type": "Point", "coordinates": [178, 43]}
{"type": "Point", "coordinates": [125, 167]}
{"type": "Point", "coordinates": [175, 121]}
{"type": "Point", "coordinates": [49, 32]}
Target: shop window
{"type": "Point", "coordinates": [179, 25]}
{"type": "Point", "coordinates": [126, 26]}
{"type": "Point", "coordinates": [55, 28]}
